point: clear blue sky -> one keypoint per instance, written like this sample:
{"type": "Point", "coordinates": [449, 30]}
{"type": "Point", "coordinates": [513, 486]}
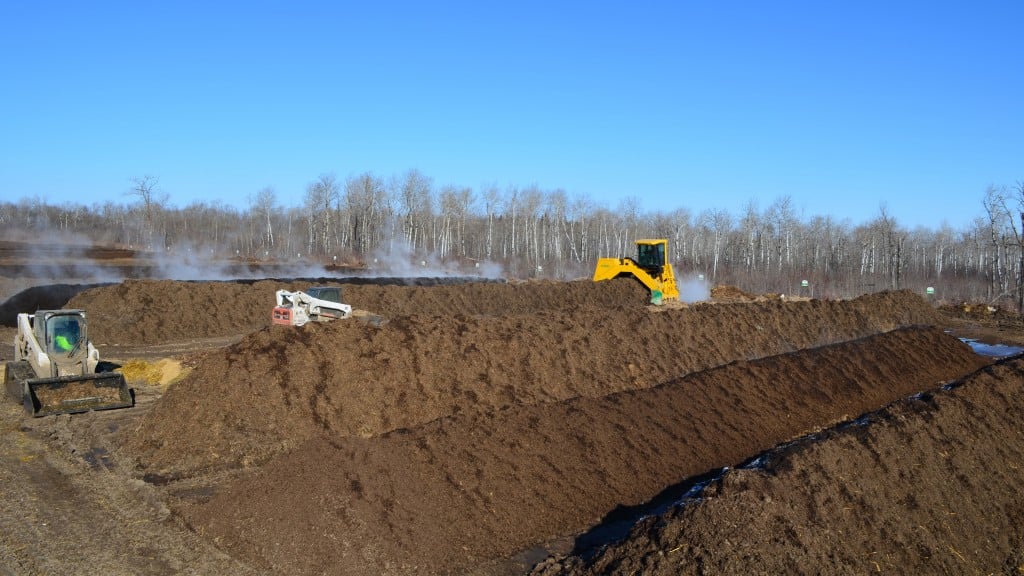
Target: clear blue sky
{"type": "Point", "coordinates": [700, 105]}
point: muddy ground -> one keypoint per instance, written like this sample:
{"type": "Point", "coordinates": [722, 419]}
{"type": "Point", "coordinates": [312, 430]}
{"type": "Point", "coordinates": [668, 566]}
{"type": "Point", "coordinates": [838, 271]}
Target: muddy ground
{"type": "Point", "coordinates": [514, 427]}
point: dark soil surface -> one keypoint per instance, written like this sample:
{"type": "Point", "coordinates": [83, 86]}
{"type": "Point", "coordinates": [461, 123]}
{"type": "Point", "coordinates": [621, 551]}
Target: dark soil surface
{"type": "Point", "coordinates": [932, 484]}
{"type": "Point", "coordinates": [503, 428]}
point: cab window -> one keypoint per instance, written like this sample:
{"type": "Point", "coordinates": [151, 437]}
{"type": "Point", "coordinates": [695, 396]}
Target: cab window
{"type": "Point", "coordinates": [63, 334]}
{"type": "Point", "coordinates": [330, 294]}
{"type": "Point", "coordinates": [651, 255]}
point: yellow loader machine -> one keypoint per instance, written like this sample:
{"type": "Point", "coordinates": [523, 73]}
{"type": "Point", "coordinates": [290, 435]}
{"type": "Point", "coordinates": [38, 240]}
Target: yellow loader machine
{"type": "Point", "coordinates": [55, 367]}
{"type": "Point", "coordinates": [651, 268]}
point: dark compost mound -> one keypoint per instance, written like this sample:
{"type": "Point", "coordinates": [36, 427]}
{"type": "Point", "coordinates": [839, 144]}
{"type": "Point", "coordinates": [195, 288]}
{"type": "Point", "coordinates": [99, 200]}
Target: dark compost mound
{"type": "Point", "coordinates": [450, 493]}
{"type": "Point", "coordinates": [144, 312]}
{"type": "Point", "coordinates": [932, 485]}
{"type": "Point", "coordinates": [281, 385]}
{"type": "Point", "coordinates": [439, 442]}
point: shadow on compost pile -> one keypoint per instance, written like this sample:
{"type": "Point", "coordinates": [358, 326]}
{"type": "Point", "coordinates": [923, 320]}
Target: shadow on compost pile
{"type": "Point", "coordinates": [45, 297]}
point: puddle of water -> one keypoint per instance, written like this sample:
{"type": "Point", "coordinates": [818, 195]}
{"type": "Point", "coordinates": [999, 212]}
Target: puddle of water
{"type": "Point", "coordinates": [992, 350]}
{"type": "Point", "coordinates": [616, 524]}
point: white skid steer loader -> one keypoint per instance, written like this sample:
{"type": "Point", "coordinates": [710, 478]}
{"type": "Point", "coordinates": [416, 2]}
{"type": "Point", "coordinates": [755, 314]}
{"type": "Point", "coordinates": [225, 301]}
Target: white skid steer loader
{"type": "Point", "coordinates": [318, 304]}
{"type": "Point", "coordinates": [56, 370]}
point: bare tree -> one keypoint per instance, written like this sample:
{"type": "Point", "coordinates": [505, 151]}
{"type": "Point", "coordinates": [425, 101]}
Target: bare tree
{"type": "Point", "coordinates": [455, 203]}
{"type": "Point", "coordinates": [520, 228]}
{"type": "Point", "coordinates": [531, 201]}
{"type": "Point", "coordinates": [147, 190]}
{"type": "Point", "coordinates": [365, 201]}
{"type": "Point", "coordinates": [629, 209]}
{"type": "Point", "coordinates": [492, 199]}
{"type": "Point", "coordinates": [1000, 220]}
{"type": "Point", "coordinates": [751, 227]}
{"type": "Point", "coordinates": [511, 209]}
{"type": "Point", "coordinates": [322, 198]}
{"type": "Point", "coordinates": [1019, 189]}
{"type": "Point", "coordinates": [556, 208]}
{"type": "Point", "coordinates": [415, 207]}
{"type": "Point", "coordinates": [265, 207]}
{"type": "Point", "coordinates": [781, 217]}
{"type": "Point", "coordinates": [579, 212]}
{"type": "Point", "coordinates": [718, 222]}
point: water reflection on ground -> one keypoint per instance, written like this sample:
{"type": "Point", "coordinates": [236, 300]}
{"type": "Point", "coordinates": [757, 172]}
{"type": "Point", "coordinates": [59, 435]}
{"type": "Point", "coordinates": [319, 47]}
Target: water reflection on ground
{"type": "Point", "coordinates": [993, 350]}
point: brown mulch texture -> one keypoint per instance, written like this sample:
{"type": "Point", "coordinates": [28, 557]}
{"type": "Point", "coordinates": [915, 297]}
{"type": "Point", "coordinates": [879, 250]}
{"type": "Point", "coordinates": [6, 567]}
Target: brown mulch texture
{"type": "Point", "coordinates": [280, 386]}
{"type": "Point", "coordinates": [933, 485]}
{"type": "Point", "coordinates": [477, 423]}
{"type": "Point", "coordinates": [482, 420]}
{"type": "Point", "coordinates": [157, 311]}
{"type": "Point", "coordinates": [458, 490]}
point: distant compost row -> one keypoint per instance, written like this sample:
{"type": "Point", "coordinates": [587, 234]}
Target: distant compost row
{"type": "Point", "coordinates": [146, 312]}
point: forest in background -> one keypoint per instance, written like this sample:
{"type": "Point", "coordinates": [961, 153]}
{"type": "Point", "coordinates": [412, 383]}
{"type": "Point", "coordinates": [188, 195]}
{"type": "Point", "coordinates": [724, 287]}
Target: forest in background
{"type": "Point", "coordinates": [530, 233]}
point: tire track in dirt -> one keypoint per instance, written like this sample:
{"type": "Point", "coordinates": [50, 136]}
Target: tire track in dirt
{"type": "Point", "coordinates": [58, 515]}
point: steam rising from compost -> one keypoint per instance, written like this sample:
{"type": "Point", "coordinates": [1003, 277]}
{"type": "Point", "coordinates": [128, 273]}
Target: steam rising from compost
{"type": "Point", "coordinates": [69, 257]}
{"type": "Point", "coordinates": [694, 290]}
{"type": "Point", "coordinates": [399, 258]}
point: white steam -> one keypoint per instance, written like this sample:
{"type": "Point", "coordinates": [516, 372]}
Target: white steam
{"type": "Point", "coordinates": [184, 261]}
{"type": "Point", "coordinates": [398, 258]}
{"type": "Point", "coordinates": [694, 290]}
{"type": "Point", "coordinates": [61, 256]}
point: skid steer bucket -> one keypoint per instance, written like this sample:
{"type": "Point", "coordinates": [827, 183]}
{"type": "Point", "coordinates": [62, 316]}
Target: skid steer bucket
{"type": "Point", "coordinates": [76, 393]}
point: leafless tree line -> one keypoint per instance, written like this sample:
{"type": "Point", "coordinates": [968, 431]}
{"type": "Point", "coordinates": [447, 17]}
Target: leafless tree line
{"type": "Point", "coordinates": [532, 232]}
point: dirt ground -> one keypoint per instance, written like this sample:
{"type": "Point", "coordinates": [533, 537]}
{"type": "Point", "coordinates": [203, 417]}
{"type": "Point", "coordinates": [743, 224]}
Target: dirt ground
{"type": "Point", "coordinates": [540, 427]}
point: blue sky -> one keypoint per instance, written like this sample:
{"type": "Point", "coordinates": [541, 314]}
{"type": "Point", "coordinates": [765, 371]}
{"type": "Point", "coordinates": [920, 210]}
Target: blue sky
{"type": "Point", "coordinates": [843, 107]}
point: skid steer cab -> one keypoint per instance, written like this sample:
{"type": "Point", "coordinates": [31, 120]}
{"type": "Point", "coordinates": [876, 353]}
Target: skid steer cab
{"type": "Point", "coordinates": [317, 304]}
{"type": "Point", "coordinates": [55, 367]}
{"type": "Point", "coordinates": [651, 268]}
